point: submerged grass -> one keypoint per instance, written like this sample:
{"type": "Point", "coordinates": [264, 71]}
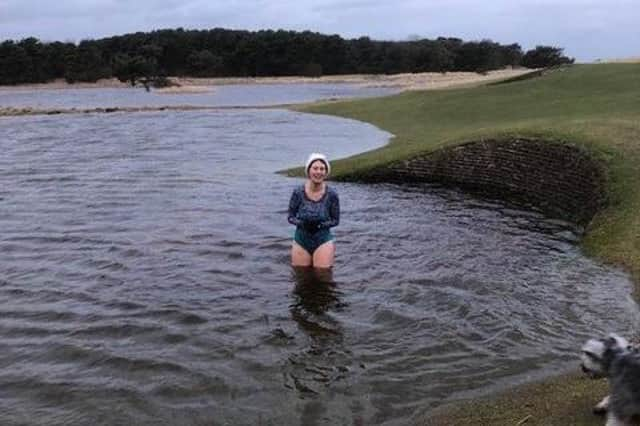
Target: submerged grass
{"type": "Point", "coordinates": [595, 106]}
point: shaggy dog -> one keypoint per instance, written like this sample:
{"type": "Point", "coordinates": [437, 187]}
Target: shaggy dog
{"type": "Point", "coordinates": [613, 357]}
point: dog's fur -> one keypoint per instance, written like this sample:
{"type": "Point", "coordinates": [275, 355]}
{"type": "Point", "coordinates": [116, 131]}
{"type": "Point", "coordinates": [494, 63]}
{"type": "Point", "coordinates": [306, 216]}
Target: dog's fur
{"type": "Point", "coordinates": [613, 357]}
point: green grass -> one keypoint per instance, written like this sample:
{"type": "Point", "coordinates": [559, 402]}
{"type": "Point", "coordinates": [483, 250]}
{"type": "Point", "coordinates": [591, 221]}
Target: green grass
{"type": "Point", "coordinates": [596, 106]}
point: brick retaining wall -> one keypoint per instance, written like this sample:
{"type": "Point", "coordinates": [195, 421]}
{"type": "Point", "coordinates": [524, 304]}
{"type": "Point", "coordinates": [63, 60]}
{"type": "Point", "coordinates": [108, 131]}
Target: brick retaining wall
{"type": "Point", "coordinates": [560, 179]}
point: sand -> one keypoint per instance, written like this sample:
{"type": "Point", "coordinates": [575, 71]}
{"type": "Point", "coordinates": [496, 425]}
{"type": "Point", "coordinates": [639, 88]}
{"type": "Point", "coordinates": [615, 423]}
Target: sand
{"type": "Point", "coordinates": [417, 81]}
{"type": "Point", "coordinates": [407, 81]}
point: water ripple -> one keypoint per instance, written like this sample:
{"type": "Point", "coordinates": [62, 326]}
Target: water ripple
{"type": "Point", "coordinates": [145, 280]}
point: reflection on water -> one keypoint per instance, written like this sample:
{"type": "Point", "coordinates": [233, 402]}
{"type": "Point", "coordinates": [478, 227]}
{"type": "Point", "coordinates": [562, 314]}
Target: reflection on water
{"type": "Point", "coordinates": [315, 290]}
{"type": "Point", "coordinates": [325, 363]}
{"type": "Point", "coordinates": [145, 279]}
{"type": "Point", "coordinates": [315, 293]}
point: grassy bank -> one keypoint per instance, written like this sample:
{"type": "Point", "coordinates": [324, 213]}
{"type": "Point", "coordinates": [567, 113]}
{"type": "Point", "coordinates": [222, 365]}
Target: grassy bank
{"type": "Point", "coordinates": [595, 106]}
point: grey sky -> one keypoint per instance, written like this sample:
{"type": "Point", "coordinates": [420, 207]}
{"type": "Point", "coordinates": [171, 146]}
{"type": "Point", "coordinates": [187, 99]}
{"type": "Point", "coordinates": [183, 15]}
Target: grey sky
{"type": "Point", "coordinates": [586, 29]}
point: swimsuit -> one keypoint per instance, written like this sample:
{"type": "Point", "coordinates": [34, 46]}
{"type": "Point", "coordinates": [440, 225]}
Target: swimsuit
{"type": "Point", "coordinates": [311, 241]}
{"type": "Point", "coordinates": [313, 219]}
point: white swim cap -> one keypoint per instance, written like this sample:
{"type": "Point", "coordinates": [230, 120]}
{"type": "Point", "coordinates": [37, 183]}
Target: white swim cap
{"type": "Point", "coordinates": [317, 156]}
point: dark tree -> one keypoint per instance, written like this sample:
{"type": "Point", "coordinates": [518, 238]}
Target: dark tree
{"type": "Point", "coordinates": [204, 63]}
{"type": "Point", "coordinates": [145, 57]}
{"type": "Point", "coordinates": [545, 56]}
{"type": "Point", "coordinates": [14, 61]}
{"type": "Point", "coordinates": [136, 69]}
{"type": "Point", "coordinates": [512, 54]}
{"type": "Point", "coordinates": [85, 63]}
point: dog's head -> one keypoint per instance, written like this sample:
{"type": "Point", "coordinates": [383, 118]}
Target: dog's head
{"type": "Point", "coordinates": [597, 354]}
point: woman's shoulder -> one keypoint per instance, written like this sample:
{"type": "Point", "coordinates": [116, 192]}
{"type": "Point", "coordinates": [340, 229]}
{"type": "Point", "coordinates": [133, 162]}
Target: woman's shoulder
{"type": "Point", "coordinates": [298, 190]}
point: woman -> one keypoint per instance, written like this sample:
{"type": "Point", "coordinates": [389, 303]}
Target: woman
{"type": "Point", "coordinates": [314, 208]}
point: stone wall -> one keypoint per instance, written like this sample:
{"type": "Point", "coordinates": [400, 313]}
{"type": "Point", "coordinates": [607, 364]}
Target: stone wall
{"type": "Point", "coordinates": [560, 179]}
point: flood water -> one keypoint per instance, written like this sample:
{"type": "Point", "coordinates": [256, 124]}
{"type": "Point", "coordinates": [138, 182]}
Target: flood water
{"type": "Point", "coordinates": [145, 279]}
{"type": "Point", "coordinates": [233, 95]}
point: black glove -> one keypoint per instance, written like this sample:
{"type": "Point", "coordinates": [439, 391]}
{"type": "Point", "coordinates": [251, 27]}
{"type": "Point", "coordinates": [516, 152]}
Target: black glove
{"type": "Point", "coordinates": [311, 225]}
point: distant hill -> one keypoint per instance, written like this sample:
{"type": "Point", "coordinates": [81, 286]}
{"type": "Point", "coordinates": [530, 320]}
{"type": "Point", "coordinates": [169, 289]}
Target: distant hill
{"type": "Point", "coordinates": [631, 60]}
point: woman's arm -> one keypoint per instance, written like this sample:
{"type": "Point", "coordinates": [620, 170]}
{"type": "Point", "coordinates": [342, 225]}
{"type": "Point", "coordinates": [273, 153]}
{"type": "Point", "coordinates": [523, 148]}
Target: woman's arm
{"type": "Point", "coordinates": [334, 211]}
{"type": "Point", "coordinates": [294, 205]}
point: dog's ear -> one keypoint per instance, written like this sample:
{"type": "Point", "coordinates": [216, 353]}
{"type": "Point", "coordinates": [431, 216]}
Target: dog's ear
{"type": "Point", "coordinates": [613, 340]}
{"type": "Point", "coordinates": [614, 344]}
{"type": "Point", "coordinates": [609, 343]}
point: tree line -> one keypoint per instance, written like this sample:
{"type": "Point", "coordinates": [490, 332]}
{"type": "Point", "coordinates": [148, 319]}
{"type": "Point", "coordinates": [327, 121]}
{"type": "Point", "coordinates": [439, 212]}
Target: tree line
{"type": "Point", "coordinates": [146, 56]}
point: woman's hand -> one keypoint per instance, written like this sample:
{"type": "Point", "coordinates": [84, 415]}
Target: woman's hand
{"type": "Point", "coordinates": [311, 225]}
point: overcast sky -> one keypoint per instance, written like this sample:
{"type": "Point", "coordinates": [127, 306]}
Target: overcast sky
{"type": "Point", "coordinates": [586, 29]}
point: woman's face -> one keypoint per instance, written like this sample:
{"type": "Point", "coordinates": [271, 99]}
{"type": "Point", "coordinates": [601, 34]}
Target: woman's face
{"type": "Point", "coordinates": [317, 171]}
